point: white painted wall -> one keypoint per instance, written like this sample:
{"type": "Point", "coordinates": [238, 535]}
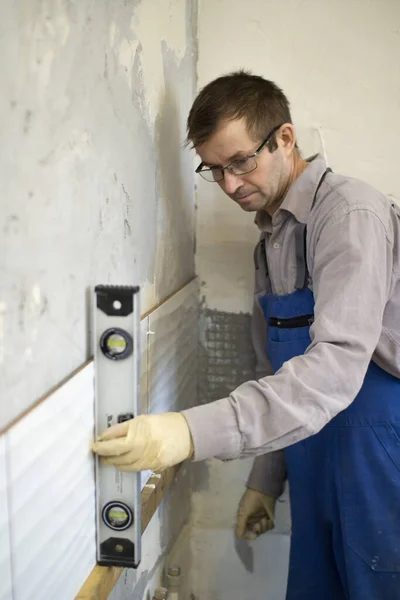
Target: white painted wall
{"type": "Point", "coordinates": [95, 185]}
{"type": "Point", "coordinates": [337, 62]}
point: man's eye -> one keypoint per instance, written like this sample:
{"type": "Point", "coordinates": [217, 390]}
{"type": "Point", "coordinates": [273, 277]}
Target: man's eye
{"type": "Point", "coordinates": [241, 161]}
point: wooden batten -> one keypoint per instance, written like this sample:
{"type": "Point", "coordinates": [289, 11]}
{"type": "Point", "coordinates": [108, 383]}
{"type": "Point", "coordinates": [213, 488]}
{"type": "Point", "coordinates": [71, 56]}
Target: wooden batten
{"type": "Point", "coordinates": [100, 583]}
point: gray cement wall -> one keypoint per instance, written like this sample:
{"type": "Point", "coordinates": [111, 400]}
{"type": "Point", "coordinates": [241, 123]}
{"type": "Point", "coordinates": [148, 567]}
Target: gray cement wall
{"type": "Point", "coordinates": [95, 186]}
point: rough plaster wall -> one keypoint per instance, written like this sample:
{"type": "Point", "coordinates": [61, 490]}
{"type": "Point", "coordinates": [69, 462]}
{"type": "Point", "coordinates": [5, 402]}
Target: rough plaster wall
{"type": "Point", "coordinates": [334, 61]}
{"type": "Point", "coordinates": [95, 188]}
{"type": "Point", "coordinates": [95, 185]}
{"type": "Point", "coordinates": [226, 359]}
{"type": "Point", "coordinates": [217, 570]}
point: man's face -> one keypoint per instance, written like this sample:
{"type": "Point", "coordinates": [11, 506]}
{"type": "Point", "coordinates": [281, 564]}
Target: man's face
{"type": "Point", "coordinates": [259, 189]}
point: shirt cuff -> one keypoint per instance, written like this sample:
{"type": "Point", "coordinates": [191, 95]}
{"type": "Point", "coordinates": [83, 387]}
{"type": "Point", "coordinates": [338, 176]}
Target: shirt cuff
{"type": "Point", "coordinates": [214, 430]}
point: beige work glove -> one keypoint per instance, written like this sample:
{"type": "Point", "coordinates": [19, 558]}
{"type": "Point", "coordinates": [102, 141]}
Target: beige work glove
{"type": "Point", "coordinates": [255, 514]}
{"type": "Point", "coordinates": [147, 442]}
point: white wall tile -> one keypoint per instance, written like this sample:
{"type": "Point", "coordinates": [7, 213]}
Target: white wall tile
{"type": "Point", "coordinates": [144, 334]}
{"type": "Point", "coordinates": [51, 481]}
{"type": "Point", "coordinates": [50, 466]}
{"type": "Point", "coordinates": [5, 552]}
{"type": "Point", "coordinates": [172, 361]}
{"type": "Point", "coordinates": [144, 392]}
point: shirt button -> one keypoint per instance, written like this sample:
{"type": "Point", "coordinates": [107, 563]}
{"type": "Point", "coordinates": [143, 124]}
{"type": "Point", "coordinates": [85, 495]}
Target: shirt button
{"type": "Point", "coordinates": [276, 245]}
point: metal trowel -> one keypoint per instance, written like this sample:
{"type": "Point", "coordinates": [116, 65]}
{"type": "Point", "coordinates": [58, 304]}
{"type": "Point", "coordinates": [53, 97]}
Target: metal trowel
{"type": "Point", "coordinates": [245, 552]}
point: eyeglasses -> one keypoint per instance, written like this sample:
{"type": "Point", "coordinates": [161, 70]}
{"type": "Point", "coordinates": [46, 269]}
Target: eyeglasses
{"type": "Point", "coordinates": [240, 166]}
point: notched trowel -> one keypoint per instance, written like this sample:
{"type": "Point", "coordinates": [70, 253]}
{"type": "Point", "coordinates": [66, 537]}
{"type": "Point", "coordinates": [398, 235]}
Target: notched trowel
{"type": "Point", "coordinates": [245, 552]}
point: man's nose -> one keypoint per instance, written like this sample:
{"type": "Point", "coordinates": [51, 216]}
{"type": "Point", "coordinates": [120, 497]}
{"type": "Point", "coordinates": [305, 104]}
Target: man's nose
{"type": "Point", "coordinates": [231, 182]}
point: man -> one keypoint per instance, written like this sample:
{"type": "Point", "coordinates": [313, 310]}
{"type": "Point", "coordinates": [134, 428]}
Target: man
{"type": "Point", "coordinates": [325, 409]}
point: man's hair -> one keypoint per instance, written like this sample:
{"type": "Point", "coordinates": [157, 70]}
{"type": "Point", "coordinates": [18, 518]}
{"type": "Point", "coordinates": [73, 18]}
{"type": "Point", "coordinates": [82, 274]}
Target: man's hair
{"type": "Point", "coordinates": [238, 95]}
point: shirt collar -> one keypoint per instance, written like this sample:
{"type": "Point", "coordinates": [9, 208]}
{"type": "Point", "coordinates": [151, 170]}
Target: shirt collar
{"type": "Point", "coordinates": [299, 198]}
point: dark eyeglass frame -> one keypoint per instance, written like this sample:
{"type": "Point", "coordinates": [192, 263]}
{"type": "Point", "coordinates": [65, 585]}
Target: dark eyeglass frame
{"type": "Point", "coordinates": [200, 169]}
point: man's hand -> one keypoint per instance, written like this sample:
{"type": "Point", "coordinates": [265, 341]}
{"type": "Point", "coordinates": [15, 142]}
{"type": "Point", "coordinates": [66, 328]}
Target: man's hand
{"type": "Point", "coordinates": [146, 442]}
{"type": "Point", "coordinates": [255, 515]}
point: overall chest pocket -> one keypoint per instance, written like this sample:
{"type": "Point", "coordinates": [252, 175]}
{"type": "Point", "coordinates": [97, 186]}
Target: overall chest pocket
{"type": "Point", "coordinates": [287, 338]}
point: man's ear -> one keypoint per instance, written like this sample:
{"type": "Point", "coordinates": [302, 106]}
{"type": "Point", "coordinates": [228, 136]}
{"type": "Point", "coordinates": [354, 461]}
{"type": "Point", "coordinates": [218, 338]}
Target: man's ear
{"type": "Point", "coordinates": [287, 138]}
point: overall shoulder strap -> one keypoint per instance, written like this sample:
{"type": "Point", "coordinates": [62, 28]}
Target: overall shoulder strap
{"type": "Point", "coordinates": [302, 271]}
{"type": "Point", "coordinates": [301, 244]}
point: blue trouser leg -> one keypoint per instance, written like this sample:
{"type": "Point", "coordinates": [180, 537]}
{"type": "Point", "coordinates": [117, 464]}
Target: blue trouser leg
{"type": "Point", "coordinates": [345, 500]}
{"type": "Point", "coordinates": [370, 510]}
{"type": "Point", "coordinates": [313, 568]}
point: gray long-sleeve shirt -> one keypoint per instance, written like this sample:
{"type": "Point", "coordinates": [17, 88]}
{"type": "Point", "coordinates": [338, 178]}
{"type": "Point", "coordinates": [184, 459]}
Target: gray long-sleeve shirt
{"type": "Point", "coordinates": [353, 256]}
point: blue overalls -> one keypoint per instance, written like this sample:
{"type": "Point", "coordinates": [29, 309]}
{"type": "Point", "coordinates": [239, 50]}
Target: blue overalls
{"type": "Point", "coordinates": [344, 482]}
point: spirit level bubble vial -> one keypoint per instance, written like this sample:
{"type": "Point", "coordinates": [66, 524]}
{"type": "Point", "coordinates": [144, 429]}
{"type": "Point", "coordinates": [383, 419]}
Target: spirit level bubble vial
{"type": "Point", "coordinates": [117, 398]}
